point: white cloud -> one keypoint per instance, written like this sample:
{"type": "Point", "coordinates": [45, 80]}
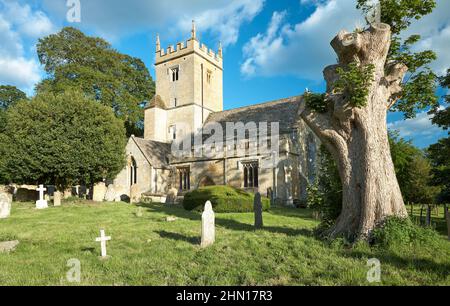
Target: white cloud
{"type": "Point", "coordinates": [17, 23]}
{"type": "Point", "coordinates": [28, 22]}
{"type": "Point", "coordinates": [19, 71]}
{"type": "Point", "coordinates": [10, 41]}
{"type": "Point", "coordinates": [302, 49]}
{"type": "Point", "coordinates": [225, 22]}
{"type": "Point", "coordinates": [113, 19]}
{"type": "Point", "coordinates": [419, 127]}
{"type": "Point", "coordinates": [435, 32]}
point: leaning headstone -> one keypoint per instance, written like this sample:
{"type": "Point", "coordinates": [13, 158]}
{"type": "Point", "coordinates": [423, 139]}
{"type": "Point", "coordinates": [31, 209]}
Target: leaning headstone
{"type": "Point", "coordinates": [8, 246]}
{"type": "Point", "coordinates": [99, 192]}
{"type": "Point", "coordinates": [208, 226]}
{"type": "Point", "coordinates": [41, 203]}
{"type": "Point", "coordinates": [57, 198]}
{"type": "Point", "coordinates": [257, 207]}
{"type": "Point", "coordinates": [5, 204]}
{"type": "Point", "coordinates": [110, 195]}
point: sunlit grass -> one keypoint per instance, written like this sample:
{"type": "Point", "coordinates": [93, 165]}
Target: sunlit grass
{"type": "Point", "coordinates": [148, 250]}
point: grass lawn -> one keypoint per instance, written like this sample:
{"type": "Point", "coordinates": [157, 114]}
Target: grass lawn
{"type": "Point", "coordinates": [147, 250]}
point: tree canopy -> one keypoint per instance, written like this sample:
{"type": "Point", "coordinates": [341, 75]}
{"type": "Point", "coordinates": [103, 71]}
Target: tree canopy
{"type": "Point", "coordinates": [74, 60]}
{"type": "Point", "coordinates": [413, 171]}
{"type": "Point", "coordinates": [61, 139]}
{"type": "Point", "coordinates": [9, 95]}
{"type": "Point", "coordinates": [439, 153]}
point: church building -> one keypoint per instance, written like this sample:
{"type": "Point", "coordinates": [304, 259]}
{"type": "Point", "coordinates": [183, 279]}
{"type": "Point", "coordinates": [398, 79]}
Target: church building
{"type": "Point", "coordinates": [189, 93]}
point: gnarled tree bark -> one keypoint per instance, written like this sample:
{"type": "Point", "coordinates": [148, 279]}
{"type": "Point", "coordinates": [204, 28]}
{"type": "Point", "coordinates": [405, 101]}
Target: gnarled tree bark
{"type": "Point", "coordinates": [357, 137]}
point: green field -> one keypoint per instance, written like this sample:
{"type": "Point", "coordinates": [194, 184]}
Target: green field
{"type": "Point", "coordinates": [148, 250]}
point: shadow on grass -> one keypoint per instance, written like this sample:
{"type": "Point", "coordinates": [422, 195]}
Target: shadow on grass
{"type": "Point", "coordinates": [88, 250]}
{"type": "Point", "coordinates": [230, 223]}
{"type": "Point", "coordinates": [238, 226]}
{"type": "Point", "coordinates": [292, 212]}
{"type": "Point", "coordinates": [179, 237]}
{"type": "Point", "coordinates": [406, 262]}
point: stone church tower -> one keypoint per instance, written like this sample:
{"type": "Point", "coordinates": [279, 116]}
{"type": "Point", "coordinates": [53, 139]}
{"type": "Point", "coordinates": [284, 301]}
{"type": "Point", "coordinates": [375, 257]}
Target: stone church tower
{"type": "Point", "coordinates": [189, 87]}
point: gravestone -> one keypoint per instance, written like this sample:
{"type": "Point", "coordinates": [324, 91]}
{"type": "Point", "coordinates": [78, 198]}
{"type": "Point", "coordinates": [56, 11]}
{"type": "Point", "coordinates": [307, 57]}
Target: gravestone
{"type": "Point", "coordinates": [41, 203]}
{"type": "Point", "coordinates": [5, 204]}
{"type": "Point", "coordinates": [110, 195]}
{"type": "Point", "coordinates": [257, 207]}
{"type": "Point", "coordinates": [26, 194]}
{"type": "Point", "coordinates": [8, 246]}
{"type": "Point", "coordinates": [102, 239]}
{"type": "Point", "coordinates": [57, 198]}
{"type": "Point", "coordinates": [99, 192]}
{"type": "Point", "coordinates": [208, 226]}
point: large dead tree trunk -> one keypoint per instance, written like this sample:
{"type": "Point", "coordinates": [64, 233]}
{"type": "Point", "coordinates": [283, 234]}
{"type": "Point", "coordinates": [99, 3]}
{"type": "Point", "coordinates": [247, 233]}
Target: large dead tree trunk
{"type": "Point", "coordinates": [357, 137]}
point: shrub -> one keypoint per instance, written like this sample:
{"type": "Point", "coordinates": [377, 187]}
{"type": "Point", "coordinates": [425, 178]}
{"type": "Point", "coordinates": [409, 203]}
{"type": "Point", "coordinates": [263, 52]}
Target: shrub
{"type": "Point", "coordinates": [395, 232]}
{"type": "Point", "coordinates": [223, 199]}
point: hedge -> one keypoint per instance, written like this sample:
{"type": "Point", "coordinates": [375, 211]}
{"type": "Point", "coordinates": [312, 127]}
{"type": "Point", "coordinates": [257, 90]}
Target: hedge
{"type": "Point", "coordinates": [223, 199]}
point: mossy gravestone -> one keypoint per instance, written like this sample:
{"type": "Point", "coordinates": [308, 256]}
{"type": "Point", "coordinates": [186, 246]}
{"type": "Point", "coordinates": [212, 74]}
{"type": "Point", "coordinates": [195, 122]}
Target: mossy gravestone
{"type": "Point", "coordinates": [257, 205]}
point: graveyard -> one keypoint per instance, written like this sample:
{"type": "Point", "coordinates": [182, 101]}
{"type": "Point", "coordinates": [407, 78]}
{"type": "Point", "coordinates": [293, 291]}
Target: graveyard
{"type": "Point", "coordinates": [252, 143]}
{"type": "Point", "coordinates": [155, 244]}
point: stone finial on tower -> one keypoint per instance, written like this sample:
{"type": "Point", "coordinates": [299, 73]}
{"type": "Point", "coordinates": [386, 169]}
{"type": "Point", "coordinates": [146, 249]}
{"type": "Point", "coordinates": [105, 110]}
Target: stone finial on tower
{"type": "Point", "coordinates": [158, 43]}
{"type": "Point", "coordinates": [220, 52]}
{"type": "Point", "coordinates": [194, 31]}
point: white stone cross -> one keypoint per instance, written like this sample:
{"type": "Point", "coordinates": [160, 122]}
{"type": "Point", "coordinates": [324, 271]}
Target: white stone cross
{"type": "Point", "coordinates": [102, 239]}
{"type": "Point", "coordinates": [41, 203]}
{"type": "Point", "coordinates": [208, 226]}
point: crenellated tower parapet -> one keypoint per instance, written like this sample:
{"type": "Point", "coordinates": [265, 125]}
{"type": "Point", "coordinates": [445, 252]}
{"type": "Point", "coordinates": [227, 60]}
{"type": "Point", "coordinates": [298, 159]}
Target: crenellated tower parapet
{"type": "Point", "coordinates": [192, 45]}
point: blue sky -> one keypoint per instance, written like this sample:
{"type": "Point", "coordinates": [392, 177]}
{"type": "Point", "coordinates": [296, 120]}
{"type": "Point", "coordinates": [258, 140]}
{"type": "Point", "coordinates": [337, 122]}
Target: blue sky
{"type": "Point", "coordinates": [272, 48]}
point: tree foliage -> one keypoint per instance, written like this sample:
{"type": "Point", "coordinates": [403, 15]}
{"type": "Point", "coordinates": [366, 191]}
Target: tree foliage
{"type": "Point", "coordinates": [354, 82]}
{"type": "Point", "coordinates": [9, 95]}
{"type": "Point", "coordinates": [413, 171]}
{"type": "Point", "coordinates": [439, 153]}
{"type": "Point", "coordinates": [74, 60]}
{"type": "Point", "coordinates": [325, 195]}
{"type": "Point", "coordinates": [61, 139]}
{"type": "Point", "coordinates": [420, 85]}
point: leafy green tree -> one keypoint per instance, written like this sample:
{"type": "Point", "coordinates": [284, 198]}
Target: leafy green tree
{"type": "Point", "coordinates": [368, 81]}
{"type": "Point", "coordinates": [325, 196]}
{"type": "Point", "coordinates": [419, 88]}
{"type": "Point", "coordinates": [62, 139]}
{"type": "Point", "coordinates": [9, 95]}
{"type": "Point", "coordinates": [74, 60]}
{"type": "Point", "coordinates": [412, 168]}
{"type": "Point", "coordinates": [413, 171]}
{"type": "Point", "coordinates": [439, 153]}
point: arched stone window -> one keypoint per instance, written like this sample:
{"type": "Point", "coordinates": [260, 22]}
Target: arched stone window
{"type": "Point", "coordinates": [133, 171]}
